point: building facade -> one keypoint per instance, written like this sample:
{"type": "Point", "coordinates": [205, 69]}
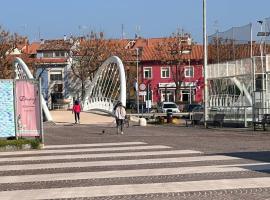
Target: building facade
{"type": "Point", "coordinates": [52, 64]}
{"type": "Point", "coordinates": [160, 77]}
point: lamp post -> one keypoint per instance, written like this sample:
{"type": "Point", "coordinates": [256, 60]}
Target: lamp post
{"type": "Point", "coordinates": [137, 68]}
{"type": "Point", "coordinates": [205, 65]}
{"type": "Point", "coordinates": [262, 34]}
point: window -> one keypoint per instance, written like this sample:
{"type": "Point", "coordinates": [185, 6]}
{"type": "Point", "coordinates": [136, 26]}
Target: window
{"type": "Point", "coordinates": [56, 76]}
{"type": "Point", "coordinates": [59, 54]}
{"type": "Point", "coordinates": [189, 71]}
{"type": "Point", "coordinates": [48, 54]}
{"type": "Point", "coordinates": [147, 72]}
{"type": "Point", "coordinates": [165, 72]}
{"type": "Point", "coordinates": [58, 88]}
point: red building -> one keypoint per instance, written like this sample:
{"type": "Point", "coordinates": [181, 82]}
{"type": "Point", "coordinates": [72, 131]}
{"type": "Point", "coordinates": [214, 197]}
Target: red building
{"type": "Point", "coordinates": [161, 77]}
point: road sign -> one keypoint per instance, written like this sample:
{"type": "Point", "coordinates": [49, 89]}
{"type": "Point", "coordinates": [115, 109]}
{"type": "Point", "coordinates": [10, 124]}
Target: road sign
{"type": "Point", "coordinates": [142, 93]}
{"type": "Point", "coordinates": [142, 86]}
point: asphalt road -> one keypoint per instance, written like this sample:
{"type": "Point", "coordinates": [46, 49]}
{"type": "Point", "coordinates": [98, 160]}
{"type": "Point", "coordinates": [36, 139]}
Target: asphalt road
{"type": "Point", "coordinates": [153, 162]}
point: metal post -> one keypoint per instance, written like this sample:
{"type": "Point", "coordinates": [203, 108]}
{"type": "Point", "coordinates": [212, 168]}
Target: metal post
{"type": "Point", "coordinates": [253, 62]}
{"type": "Point", "coordinates": [245, 117]}
{"type": "Point", "coordinates": [205, 66]}
{"type": "Point", "coordinates": [148, 97]}
{"type": "Point", "coordinates": [137, 66]}
{"type": "Point", "coordinates": [190, 93]}
{"type": "Point", "coordinates": [41, 114]}
{"type": "Point", "coordinates": [263, 72]}
{"type": "Point", "coordinates": [15, 107]}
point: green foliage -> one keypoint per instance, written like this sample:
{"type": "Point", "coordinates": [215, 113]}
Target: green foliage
{"type": "Point", "coordinates": [20, 143]}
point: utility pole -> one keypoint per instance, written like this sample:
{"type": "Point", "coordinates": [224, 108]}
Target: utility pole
{"type": "Point", "coordinates": [137, 67]}
{"type": "Point", "coordinates": [205, 66]}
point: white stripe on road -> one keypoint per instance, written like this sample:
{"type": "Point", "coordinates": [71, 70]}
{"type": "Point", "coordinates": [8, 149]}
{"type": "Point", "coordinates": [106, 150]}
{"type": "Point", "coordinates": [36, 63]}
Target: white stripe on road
{"type": "Point", "coordinates": [113, 163]}
{"type": "Point", "coordinates": [93, 145]}
{"type": "Point", "coordinates": [104, 155]}
{"type": "Point", "coordinates": [85, 150]}
{"type": "Point", "coordinates": [133, 189]}
{"type": "Point", "coordinates": [136, 173]}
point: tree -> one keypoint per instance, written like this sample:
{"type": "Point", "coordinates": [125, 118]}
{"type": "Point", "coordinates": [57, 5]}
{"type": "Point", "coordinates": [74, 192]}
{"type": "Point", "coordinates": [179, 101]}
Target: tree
{"type": "Point", "coordinates": [172, 51]}
{"type": "Point", "coordinates": [8, 43]}
{"type": "Point", "coordinates": [89, 53]}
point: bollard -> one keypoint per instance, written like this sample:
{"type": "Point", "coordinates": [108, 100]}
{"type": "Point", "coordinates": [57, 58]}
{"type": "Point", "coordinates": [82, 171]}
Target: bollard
{"type": "Point", "coordinates": [142, 122]}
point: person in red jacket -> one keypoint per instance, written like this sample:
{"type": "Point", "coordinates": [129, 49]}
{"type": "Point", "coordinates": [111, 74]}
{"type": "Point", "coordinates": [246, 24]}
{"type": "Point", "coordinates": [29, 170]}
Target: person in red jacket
{"type": "Point", "coordinates": [76, 110]}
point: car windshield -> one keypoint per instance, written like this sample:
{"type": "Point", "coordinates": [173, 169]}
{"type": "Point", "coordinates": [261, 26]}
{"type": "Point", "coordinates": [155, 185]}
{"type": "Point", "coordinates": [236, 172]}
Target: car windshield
{"type": "Point", "coordinates": [169, 105]}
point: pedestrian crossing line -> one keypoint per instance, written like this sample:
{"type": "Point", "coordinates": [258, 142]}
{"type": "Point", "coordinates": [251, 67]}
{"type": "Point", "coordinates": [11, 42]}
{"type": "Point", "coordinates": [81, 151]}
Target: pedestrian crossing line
{"type": "Point", "coordinates": [99, 155]}
{"type": "Point", "coordinates": [147, 147]}
{"type": "Point", "coordinates": [136, 173]}
{"type": "Point", "coordinates": [93, 145]}
{"type": "Point", "coordinates": [136, 189]}
{"type": "Point", "coordinates": [115, 163]}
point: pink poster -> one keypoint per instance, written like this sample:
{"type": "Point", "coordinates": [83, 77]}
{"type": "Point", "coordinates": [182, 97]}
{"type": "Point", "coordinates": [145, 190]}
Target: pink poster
{"type": "Point", "coordinates": [28, 108]}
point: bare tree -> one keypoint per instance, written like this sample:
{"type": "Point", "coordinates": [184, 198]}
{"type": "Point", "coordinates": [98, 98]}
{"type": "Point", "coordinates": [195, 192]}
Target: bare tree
{"type": "Point", "coordinates": [8, 43]}
{"type": "Point", "coordinates": [89, 53]}
{"type": "Point", "coordinates": [172, 51]}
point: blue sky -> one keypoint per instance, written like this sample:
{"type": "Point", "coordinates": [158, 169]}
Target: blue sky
{"type": "Point", "coordinates": [153, 18]}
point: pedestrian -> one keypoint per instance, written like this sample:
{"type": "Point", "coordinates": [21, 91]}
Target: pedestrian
{"type": "Point", "coordinates": [120, 114]}
{"type": "Point", "coordinates": [76, 110]}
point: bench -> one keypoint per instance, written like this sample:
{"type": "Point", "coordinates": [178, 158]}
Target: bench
{"type": "Point", "coordinates": [218, 119]}
{"type": "Point", "coordinates": [195, 120]}
{"type": "Point", "coordinates": [265, 120]}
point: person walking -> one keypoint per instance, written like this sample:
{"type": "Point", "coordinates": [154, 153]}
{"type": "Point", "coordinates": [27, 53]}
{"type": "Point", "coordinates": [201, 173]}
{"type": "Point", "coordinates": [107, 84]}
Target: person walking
{"type": "Point", "coordinates": [76, 110]}
{"type": "Point", "coordinates": [120, 114]}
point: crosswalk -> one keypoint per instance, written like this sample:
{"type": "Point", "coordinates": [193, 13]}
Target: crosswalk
{"type": "Point", "coordinates": [124, 169]}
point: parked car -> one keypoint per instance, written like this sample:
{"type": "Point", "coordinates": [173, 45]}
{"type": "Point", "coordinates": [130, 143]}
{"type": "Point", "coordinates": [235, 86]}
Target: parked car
{"type": "Point", "coordinates": [198, 108]}
{"type": "Point", "coordinates": [189, 107]}
{"type": "Point", "coordinates": [142, 108]}
{"type": "Point", "coordinates": [164, 106]}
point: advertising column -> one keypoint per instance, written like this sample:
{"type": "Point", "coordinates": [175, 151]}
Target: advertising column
{"type": "Point", "coordinates": [28, 108]}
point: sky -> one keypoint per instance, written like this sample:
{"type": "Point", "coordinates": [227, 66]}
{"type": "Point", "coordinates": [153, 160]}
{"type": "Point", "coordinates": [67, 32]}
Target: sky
{"type": "Point", "coordinates": [49, 19]}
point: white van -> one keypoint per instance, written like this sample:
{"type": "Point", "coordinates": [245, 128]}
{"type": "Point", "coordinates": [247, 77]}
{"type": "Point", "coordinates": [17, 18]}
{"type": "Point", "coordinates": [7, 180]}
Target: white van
{"type": "Point", "coordinates": [164, 106]}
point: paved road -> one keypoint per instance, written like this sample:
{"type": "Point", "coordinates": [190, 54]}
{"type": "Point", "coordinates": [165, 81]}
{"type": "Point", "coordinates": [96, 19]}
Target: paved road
{"type": "Point", "coordinates": [147, 163]}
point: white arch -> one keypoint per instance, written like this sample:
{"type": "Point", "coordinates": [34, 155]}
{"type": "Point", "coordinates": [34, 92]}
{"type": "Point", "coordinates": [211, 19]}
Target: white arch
{"type": "Point", "coordinates": [120, 66]}
{"type": "Point", "coordinates": [23, 72]}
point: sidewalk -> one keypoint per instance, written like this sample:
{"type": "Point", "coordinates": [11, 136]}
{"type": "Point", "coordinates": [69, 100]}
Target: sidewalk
{"type": "Point", "coordinates": [66, 117]}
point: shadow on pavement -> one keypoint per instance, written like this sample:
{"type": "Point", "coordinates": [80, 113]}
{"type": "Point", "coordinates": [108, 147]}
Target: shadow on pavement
{"type": "Point", "coordinates": [262, 156]}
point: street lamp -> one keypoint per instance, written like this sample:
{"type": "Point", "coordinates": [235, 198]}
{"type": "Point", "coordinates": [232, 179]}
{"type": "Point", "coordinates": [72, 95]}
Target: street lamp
{"type": "Point", "coordinates": [262, 34]}
{"type": "Point", "coordinates": [205, 65]}
{"type": "Point", "coordinates": [137, 88]}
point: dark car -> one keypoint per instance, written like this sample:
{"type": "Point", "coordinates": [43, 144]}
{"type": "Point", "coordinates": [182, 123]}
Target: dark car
{"type": "Point", "coordinates": [190, 107]}
{"type": "Point", "coordinates": [142, 107]}
{"type": "Point", "coordinates": [199, 108]}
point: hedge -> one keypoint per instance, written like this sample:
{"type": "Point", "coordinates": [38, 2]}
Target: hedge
{"type": "Point", "coordinates": [20, 143]}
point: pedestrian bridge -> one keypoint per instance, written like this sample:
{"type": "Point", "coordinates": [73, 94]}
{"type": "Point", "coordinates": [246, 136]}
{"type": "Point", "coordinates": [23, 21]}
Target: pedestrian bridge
{"type": "Point", "coordinates": [240, 88]}
{"type": "Point", "coordinates": [107, 87]}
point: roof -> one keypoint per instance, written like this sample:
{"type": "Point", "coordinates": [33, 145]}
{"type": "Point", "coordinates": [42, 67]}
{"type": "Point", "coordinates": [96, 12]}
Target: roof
{"type": "Point", "coordinates": [151, 54]}
{"type": "Point", "coordinates": [31, 48]}
{"type": "Point", "coordinates": [149, 51]}
{"type": "Point", "coordinates": [50, 45]}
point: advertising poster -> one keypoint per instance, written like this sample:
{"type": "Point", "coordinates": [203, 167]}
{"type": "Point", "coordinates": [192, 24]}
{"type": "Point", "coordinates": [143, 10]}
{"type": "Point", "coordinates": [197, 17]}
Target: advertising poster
{"type": "Point", "coordinates": [27, 108]}
{"type": "Point", "coordinates": [7, 121]}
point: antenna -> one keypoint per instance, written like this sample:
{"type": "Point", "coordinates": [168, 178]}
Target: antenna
{"type": "Point", "coordinates": [138, 30]}
{"type": "Point", "coordinates": [122, 31]}
{"type": "Point", "coordinates": [39, 34]}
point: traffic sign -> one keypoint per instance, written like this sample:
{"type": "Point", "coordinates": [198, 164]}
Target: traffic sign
{"type": "Point", "coordinates": [142, 86]}
{"type": "Point", "coordinates": [142, 93]}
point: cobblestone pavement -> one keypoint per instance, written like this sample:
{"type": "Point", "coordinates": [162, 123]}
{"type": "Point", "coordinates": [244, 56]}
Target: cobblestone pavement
{"type": "Point", "coordinates": [146, 163]}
